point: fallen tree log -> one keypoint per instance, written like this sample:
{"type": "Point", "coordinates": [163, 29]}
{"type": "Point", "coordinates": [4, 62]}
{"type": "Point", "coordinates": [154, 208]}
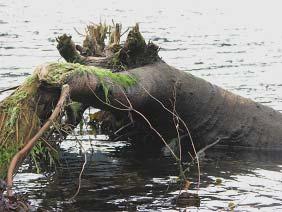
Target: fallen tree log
{"type": "Point", "coordinates": [209, 111]}
{"type": "Point", "coordinates": [148, 101]}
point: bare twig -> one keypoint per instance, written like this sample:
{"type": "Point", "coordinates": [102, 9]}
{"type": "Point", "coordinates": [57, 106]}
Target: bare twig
{"type": "Point", "coordinates": [201, 151]}
{"type": "Point", "coordinates": [176, 123]}
{"type": "Point", "coordinates": [125, 31]}
{"type": "Point", "coordinates": [79, 33]}
{"type": "Point", "coordinates": [148, 122]}
{"type": "Point", "coordinates": [186, 128]}
{"type": "Point", "coordinates": [9, 89]}
{"type": "Point", "coordinates": [49, 145]}
{"type": "Point", "coordinates": [130, 108]}
{"type": "Point", "coordinates": [177, 120]}
{"type": "Point", "coordinates": [81, 172]}
{"type": "Point", "coordinates": [123, 127]}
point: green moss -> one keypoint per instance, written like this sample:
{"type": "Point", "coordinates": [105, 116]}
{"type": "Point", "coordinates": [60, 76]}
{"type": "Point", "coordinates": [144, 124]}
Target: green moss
{"type": "Point", "coordinates": [12, 107]}
{"type": "Point", "coordinates": [43, 154]}
{"type": "Point", "coordinates": [121, 79]}
{"type": "Point", "coordinates": [16, 112]}
{"type": "Point", "coordinates": [6, 154]}
{"type": "Point", "coordinates": [19, 106]}
{"type": "Point", "coordinates": [30, 79]}
{"type": "Point", "coordinates": [60, 71]}
{"type": "Point", "coordinates": [75, 106]}
{"type": "Point", "coordinates": [14, 103]}
{"type": "Point", "coordinates": [16, 98]}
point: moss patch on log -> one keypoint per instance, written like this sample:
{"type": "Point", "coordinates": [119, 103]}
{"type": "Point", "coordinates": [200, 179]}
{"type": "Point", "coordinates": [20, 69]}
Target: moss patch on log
{"type": "Point", "coordinates": [19, 115]}
{"type": "Point", "coordinates": [58, 73]}
{"type": "Point", "coordinates": [18, 121]}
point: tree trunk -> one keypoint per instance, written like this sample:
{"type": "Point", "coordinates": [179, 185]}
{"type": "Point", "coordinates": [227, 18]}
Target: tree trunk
{"type": "Point", "coordinates": [209, 111]}
{"type": "Point", "coordinates": [145, 97]}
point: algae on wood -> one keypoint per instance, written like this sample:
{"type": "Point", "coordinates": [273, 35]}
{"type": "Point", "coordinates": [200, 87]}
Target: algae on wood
{"type": "Point", "coordinates": [155, 101]}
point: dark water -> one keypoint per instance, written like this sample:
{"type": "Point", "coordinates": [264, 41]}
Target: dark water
{"type": "Point", "coordinates": [234, 44]}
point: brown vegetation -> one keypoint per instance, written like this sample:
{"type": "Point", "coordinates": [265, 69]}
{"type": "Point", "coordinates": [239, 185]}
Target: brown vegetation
{"type": "Point", "coordinates": [142, 98]}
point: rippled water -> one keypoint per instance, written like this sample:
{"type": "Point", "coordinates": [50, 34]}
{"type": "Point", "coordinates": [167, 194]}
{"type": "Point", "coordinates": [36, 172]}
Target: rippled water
{"type": "Point", "coordinates": [236, 44]}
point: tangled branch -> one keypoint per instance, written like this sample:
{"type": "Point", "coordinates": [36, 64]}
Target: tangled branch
{"type": "Point", "coordinates": [28, 146]}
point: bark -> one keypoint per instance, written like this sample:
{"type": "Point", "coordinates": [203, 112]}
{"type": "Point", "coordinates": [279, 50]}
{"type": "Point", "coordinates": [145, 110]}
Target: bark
{"type": "Point", "coordinates": [209, 111]}
{"type": "Point", "coordinates": [146, 100]}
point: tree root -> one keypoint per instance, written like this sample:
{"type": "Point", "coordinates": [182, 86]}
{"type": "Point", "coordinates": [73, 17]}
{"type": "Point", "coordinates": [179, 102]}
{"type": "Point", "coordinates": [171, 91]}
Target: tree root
{"type": "Point", "coordinates": [138, 98]}
{"type": "Point", "coordinates": [27, 148]}
{"type": "Point", "coordinates": [135, 52]}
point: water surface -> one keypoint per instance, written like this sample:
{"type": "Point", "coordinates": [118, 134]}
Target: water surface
{"type": "Point", "coordinates": [234, 44]}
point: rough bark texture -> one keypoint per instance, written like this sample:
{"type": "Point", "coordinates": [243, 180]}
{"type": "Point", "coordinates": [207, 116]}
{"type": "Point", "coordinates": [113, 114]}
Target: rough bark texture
{"type": "Point", "coordinates": [209, 111]}
{"type": "Point", "coordinates": [145, 98]}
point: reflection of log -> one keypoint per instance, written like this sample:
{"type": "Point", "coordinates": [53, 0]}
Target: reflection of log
{"type": "Point", "coordinates": [147, 98]}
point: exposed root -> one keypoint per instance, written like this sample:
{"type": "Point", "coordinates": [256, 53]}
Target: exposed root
{"type": "Point", "coordinates": [133, 53]}
{"type": "Point", "coordinates": [67, 48]}
{"type": "Point", "coordinates": [19, 120]}
{"type": "Point", "coordinates": [28, 146]}
{"type": "Point", "coordinates": [94, 42]}
{"type": "Point", "coordinates": [115, 34]}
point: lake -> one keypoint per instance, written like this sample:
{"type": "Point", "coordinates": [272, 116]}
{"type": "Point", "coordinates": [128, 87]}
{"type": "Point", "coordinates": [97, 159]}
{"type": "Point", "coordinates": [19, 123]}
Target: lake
{"type": "Point", "coordinates": [234, 44]}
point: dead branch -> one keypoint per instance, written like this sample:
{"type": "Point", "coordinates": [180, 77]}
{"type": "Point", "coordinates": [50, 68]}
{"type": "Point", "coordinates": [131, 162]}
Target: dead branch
{"type": "Point", "coordinates": [27, 148]}
{"type": "Point", "coordinates": [174, 113]}
{"type": "Point", "coordinates": [9, 89]}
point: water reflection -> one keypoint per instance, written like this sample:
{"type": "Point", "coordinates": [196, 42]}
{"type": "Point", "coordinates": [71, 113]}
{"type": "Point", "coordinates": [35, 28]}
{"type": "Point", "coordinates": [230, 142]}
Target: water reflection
{"type": "Point", "coordinates": [235, 44]}
{"type": "Point", "coordinates": [116, 179]}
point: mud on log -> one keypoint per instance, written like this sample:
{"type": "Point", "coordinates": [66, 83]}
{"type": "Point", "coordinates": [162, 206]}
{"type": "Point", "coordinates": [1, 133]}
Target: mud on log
{"type": "Point", "coordinates": [143, 96]}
